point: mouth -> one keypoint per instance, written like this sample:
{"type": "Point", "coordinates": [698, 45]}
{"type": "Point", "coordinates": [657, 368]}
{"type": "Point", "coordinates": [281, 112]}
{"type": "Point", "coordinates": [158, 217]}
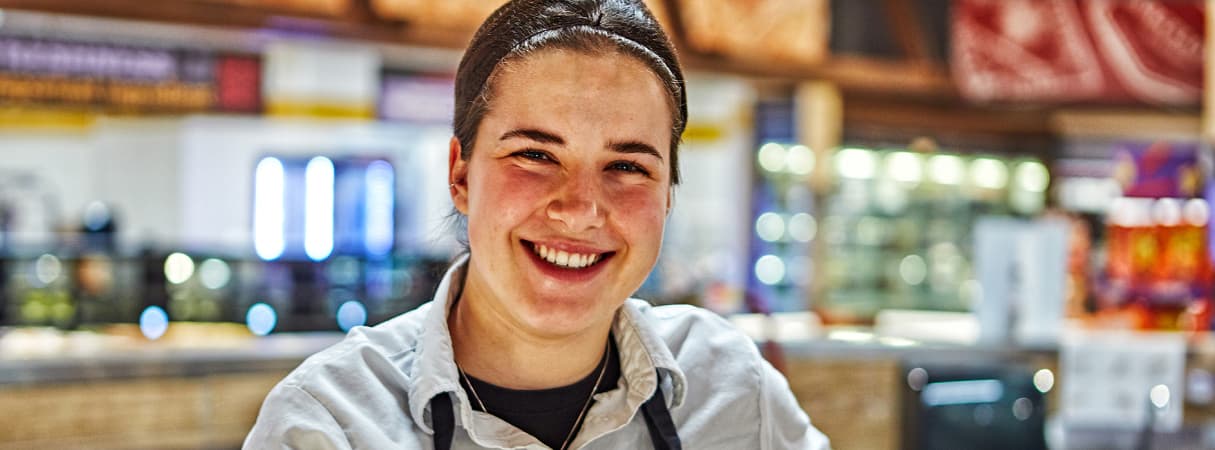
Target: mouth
{"type": "Point", "coordinates": [567, 260]}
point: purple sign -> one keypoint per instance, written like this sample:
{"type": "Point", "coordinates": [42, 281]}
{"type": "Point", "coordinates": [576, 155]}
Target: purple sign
{"type": "Point", "coordinates": [1158, 169]}
{"type": "Point", "coordinates": [418, 99]}
{"type": "Point", "coordinates": [89, 60]}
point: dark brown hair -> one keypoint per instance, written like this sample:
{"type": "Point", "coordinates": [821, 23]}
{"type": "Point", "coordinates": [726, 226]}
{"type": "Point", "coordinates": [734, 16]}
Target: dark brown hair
{"type": "Point", "coordinates": [522, 27]}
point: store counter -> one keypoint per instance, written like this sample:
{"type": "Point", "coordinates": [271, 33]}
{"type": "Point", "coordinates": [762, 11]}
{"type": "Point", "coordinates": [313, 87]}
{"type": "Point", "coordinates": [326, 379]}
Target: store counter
{"type": "Point", "coordinates": [201, 385]}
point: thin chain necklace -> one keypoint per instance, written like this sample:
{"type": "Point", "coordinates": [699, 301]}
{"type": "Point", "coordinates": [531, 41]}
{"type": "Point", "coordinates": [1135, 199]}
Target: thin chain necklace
{"type": "Point", "coordinates": [602, 368]}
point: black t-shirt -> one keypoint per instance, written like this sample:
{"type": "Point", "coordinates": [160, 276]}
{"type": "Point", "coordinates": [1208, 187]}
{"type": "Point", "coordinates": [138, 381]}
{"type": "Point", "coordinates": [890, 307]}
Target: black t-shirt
{"type": "Point", "coordinates": [547, 414]}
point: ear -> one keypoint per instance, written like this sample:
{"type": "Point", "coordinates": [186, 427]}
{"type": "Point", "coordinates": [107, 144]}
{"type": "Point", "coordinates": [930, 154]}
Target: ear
{"type": "Point", "coordinates": [457, 176]}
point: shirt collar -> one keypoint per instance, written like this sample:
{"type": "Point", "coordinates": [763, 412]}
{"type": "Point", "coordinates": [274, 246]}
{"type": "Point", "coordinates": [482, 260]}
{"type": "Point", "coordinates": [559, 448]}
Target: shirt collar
{"type": "Point", "coordinates": [434, 371]}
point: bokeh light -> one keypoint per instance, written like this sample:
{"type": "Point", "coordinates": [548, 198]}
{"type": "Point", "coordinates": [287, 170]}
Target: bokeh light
{"type": "Point", "coordinates": [261, 319]}
{"type": "Point", "coordinates": [153, 322]}
{"type": "Point", "coordinates": [178, 268]}
{"type": "Point", "coordinates": [351, 314]}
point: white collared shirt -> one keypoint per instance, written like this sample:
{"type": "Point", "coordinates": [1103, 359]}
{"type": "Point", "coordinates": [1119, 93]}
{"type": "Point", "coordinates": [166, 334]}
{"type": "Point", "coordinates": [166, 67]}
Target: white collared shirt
{"type": "Point", "coordinates": [373, 389]}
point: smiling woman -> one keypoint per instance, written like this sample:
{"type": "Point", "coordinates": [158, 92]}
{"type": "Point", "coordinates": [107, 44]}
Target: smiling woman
{"type": "Point", "coordinates": [567, 124]}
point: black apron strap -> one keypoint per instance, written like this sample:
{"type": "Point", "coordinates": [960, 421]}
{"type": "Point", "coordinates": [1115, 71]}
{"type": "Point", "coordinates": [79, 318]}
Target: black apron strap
{"type": "Point", "coordinates": [658, 420]}
{"type": "Point", "coordinates": [443, 419]}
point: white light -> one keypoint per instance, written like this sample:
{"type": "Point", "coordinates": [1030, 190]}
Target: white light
{"type": "Point", "coordinates": [153, 322]}
{"type": "Point", "coordinates": [855, 163]}
{"type": "Point", "coordinates": [47, 268]}
{"type": "Point", "coordinates": [318, 208]}
{"type": "Point", "coordinates": [178, 268]}
{"type": "Point", "coordinates": [1197, 213]}
{"type": "Point", "coordinates": [214, 273]}
{"type": "Point", "coordinates": [96, 215]}
{"type": "Point", "coordinates": [800, 160]}
{"type": "Point", "coordinates": [770, 227]}
{"type": "Point", "coordinates": [913, 270]}
{"type": "Point", "coordinates": [261, 319]}
{"type": "Point", "coordinates": [802, 227]}
{"type": "Point", "coordinates": [917, 378]}
{"type": "Point", "coordinates": [772, 157]}
{"type": "Point", "coordinates": [1044, 380]}
{"type": "Point", "coordinates": [770, 269]}
{"type": "Point", "coordinates": [905, 167]}
{"type": "Point", "coordinates": [351, 314]}
{"type": "Point", "coordinates": [945, 169]}
{"type": "Point", "coordinates": [1167, 212]}
{"type": "Point", "coordinates": [268, 209]}
{"type": "Point", "coordinates": [378, 222]}
{"type": "Point", "coordinates": [893, 341]}
{"type": "Point", "coordinates": [1022, 408]}
{"type": "Point", "coordinates": [962, 392]}
{"type": "Point", "coordinates": [989, 173]}
{"type": "Point", "coordinates": [1160, 396]}
{"type": "Point", "coordinates": [1032, 176]}
{"type": "Point", "coordinates": [855, 336]}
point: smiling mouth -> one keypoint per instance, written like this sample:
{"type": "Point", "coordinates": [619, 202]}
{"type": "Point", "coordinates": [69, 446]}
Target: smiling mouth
{"type": "Point", "coordinates": [567, 260]}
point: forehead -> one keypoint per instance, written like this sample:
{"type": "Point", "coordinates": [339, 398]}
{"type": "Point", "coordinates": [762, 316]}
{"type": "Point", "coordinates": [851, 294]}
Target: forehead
{"type": "Point", "coordinates": [555, 86]}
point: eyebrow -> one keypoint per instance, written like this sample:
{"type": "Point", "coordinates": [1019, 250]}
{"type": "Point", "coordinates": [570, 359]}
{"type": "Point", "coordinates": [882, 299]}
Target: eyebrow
{"type": "Point", "coordinates": [635, 147]}
{"type": "Point", "coordinates": [546, 137]}
{"type": "Point", "coordinates": [541, 136]}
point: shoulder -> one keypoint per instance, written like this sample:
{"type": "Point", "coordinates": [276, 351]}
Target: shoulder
{"type": "Point", "coordinates": [325, 402]}
{"type": "Point", "coordinates": [697, 336]}
{"type": "Point", "coordinates": [366, 374]}
{"type": "Point", "coordinates": [358, 353]}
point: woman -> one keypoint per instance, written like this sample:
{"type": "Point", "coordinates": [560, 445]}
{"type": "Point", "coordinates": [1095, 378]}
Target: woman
{"type": "Point", "coordinates": [567, 122]}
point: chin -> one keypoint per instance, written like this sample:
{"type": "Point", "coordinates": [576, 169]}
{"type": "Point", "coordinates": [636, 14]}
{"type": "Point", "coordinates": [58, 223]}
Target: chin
{"type": "Point", "coordinates": [560, 317]}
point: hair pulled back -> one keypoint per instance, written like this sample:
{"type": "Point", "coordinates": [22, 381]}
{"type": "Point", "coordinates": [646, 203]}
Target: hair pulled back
{"type": "Point", "coordinates": [522, 27]}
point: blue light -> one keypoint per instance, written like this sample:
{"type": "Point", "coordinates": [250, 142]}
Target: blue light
{"type": "Point", "coordinates": [378, 213]}
{"type": "Point", "coordinates": [962, 392]}
{"type": "Point", "coordinates": [351, 314]}
{"type": "Point", "coordinates": [268, 209]}
{"type": "Point", "coordinates": [153, 322]}
{"type": "Point", "coordinates": [261, 319]}
{"type": "Point", "coordinates": [318, 208]}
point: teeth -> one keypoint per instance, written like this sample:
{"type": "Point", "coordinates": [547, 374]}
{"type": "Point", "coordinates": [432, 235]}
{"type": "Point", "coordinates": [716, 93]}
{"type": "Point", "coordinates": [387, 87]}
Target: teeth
{"type": "Point", "coordinates": [565, 259]}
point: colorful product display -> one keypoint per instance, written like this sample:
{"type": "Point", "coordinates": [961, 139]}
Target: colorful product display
{"type": "Point", "coordinates": [1158, 266]}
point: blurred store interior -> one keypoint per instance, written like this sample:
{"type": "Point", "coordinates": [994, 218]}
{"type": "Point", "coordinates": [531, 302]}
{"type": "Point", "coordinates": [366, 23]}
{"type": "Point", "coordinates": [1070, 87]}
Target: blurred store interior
{"type": "Point", "coordinates": [950, 223]}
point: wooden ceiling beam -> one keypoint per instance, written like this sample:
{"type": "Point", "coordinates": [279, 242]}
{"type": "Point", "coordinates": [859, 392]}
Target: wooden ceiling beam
{"type": "Point", "coordinates": [948, 118]}
{"type": "Point", "coordinates": [904, 20]}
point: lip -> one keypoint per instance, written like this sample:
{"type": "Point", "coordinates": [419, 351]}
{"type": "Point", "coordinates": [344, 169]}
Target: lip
{"type": "Point", "coordinates": [562, 274]}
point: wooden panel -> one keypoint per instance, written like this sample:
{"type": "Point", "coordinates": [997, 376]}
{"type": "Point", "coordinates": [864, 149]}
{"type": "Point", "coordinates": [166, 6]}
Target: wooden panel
{"type": "Point", "coordinates": [463, 15]}
{"type": "Point", "coordinates": [452, 14]}
{"type": "Point", "coordinates": [91, 414]}
{"type": "Point", "coordinates": [317, 7]}
{"type": "Point", "coordinates": [854, 402]}
{"type": "Point", "coordinates": [211, 412]}
{"type": "Point", "coordinates": [233, 404]}
{"type": "Point", "coordinates": [781, 31]}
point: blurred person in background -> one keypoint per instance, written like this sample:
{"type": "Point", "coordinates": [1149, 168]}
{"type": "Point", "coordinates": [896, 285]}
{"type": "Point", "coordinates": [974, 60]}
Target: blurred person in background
{"type": "Point", "coordinates": [562, 168]}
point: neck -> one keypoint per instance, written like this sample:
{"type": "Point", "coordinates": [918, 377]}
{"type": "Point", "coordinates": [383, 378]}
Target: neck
{"type": "Point", "coordinates": [492, 348]}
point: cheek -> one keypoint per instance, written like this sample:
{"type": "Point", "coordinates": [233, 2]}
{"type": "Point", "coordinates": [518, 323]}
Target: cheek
{"type": "Point", "coordinates": [643, 211]}
{"type": "Point", "coordinates": [506, 195]}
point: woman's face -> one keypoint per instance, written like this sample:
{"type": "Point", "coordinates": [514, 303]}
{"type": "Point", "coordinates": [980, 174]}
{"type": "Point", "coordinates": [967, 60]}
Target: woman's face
{"type": "Point", "coordinates": [567, 189]}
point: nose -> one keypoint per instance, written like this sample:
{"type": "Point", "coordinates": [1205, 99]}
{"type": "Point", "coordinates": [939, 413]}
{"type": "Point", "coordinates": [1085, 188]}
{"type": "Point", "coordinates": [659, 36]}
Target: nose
{"type": "Point", "coordinates": [578, 205]}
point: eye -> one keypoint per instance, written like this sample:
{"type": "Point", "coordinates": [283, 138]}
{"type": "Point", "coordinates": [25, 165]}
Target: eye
{"type": "Point", "coordinates": [534, 155]}
{"type": "Point", "coordinates": [628, 167]}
